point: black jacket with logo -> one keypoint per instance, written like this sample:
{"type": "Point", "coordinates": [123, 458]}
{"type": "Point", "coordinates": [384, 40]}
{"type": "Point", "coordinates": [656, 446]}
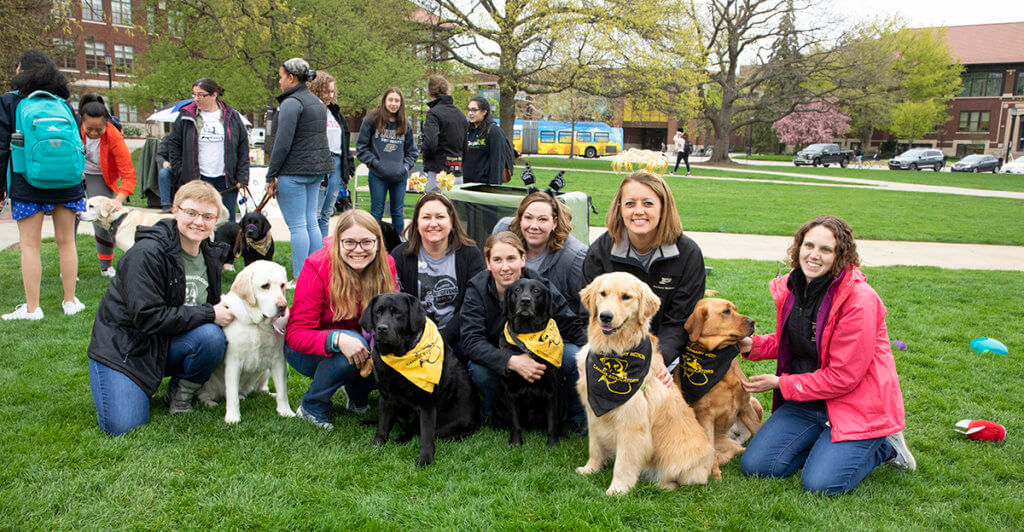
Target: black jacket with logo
{"type": "Point", "coordinates": [144, 305]}
{"type": "Point", "coordinates": [676, 275]}
{"type": "Point", "coordinates": [484, 159]}
{"type": "Point", "coordinates": [444, 134]}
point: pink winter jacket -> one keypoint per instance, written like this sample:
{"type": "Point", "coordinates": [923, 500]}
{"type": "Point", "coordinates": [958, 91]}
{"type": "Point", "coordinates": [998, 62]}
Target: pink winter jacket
{"type": "Point", "coordinates": [857, 376]}
{"type": "Point", "coordinates": [311, 320]}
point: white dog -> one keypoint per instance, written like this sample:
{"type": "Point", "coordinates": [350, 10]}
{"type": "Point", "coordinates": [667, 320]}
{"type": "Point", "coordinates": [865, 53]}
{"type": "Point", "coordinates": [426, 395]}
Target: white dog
{"type": "Point", "coordinates": [255, 345]}
{"type": "Point", "coordinates": [104, 212]}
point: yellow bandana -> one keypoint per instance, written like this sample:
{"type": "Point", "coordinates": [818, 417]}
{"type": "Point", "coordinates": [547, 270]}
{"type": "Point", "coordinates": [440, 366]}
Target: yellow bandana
{"type": "Point", "coordinates": [546, 344]}
{"type": "Point", "coordinates": [422, 365]}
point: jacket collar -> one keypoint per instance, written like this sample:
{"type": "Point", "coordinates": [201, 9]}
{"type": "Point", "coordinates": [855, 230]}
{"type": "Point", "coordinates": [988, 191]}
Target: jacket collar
{"type": "Point", "coordinates": [621, 249]}
{"type": "Point", "coordinates": [443, 99]}
{"type": "Point", "coordinates": [281, 97]}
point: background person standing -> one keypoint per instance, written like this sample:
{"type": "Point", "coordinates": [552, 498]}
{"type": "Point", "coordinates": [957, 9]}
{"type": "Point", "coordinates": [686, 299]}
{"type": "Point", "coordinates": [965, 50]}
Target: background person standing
{"type": "Point", "coordinates": [387, 147]}
{"type": "Point", "coordinates": [338, 138]}
{"type": "Point", "coordinates": [484, 158]}
{"type": "Point", "coordinates": [444, 133]}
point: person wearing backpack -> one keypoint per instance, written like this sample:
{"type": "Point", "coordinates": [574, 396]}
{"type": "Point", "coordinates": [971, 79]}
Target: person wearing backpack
{"type": "Point", "coordinates": [485, 157]}
{"type": "Point", "coordinates": [42, 173]}
{"type": "Point", "coordinates": [109, 171]}
{"type": "Point", "coordinates": [683, 150]}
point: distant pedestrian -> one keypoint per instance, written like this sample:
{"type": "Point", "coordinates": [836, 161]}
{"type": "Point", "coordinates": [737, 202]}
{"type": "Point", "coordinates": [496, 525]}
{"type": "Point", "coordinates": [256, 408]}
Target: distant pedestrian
{"type": "Point", "coordinates": [484, 158]}
{"type": "Point", "coordinates": [876, 157]}
{"type": "Point", "coordinates": [338, 137]}
{"type": "Point", "coordinates": [860, 156]}
{"type": "Point", "coordinates": [444, 133]}
{"type": "Point", "coordinates": [683, 150]}
{"type": "Point", "coordinates": [387, 147]}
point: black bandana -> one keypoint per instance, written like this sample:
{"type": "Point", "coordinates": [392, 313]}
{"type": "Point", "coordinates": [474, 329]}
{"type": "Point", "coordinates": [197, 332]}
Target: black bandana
{"type": "Point", "coordinates": [612, 379]}
{"type": "Point", "coordinates": [699, 371]}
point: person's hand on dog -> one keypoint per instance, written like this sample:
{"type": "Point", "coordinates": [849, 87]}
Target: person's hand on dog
{"type": "Point", "coordinates": [118, 202]}
{"type": "Point", "coordinates": [761, 383]}
{"type": "Point", "coordinates": [222, 315]}
{"type": "Point", "coordinates": [746, 345]}
{"type": "Point", "coordinates": [526, 366]}
{"type": "Point", "coordinates": [353, 349]}
{"type": "Point", "coordinates": [665, 376]}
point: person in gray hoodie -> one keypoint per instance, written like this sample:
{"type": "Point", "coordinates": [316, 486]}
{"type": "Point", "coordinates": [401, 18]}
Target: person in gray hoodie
{"type": "Point", "coordinates": [387, 147]}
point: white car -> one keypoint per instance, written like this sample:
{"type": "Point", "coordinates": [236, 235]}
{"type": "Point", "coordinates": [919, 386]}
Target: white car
{"type": "Point", "coordinates": [1015, 166]}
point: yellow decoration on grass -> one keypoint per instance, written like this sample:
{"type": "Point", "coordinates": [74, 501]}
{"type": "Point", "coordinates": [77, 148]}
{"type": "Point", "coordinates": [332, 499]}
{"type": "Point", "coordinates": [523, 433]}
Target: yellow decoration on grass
{"type": "Point", "coordinates": [633, 159]}
{"type": "Point", "coordinates": [418, 182]}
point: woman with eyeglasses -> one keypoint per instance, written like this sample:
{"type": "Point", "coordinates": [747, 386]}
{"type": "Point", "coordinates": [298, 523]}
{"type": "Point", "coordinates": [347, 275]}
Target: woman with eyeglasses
{"type": "Point", "coordinates": [483, 160]}
{"type": "Point", "coordinates": [208, 141]}
{"type": "Point", "coordinates": [323, 340]}
{"type": "Point", "coordinates": [387, 147]}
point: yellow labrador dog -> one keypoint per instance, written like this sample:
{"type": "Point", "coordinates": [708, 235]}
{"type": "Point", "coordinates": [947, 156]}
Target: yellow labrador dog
{"type": "Point", "coordinates": [255, 342]}
{"type": "Point", "coordinates": [646, 427]}
{"type": "Point", "coordinates": [104, 212]}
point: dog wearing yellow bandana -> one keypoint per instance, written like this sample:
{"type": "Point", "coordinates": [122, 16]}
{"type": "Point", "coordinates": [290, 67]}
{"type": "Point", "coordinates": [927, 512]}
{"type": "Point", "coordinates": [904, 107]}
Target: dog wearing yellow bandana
{"type": "Point", "coordinates": [421, 385]}
{"type": "Point", "coordinates": [530, 329]}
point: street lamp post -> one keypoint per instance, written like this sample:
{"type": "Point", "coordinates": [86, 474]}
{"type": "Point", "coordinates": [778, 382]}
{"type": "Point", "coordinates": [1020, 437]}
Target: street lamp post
{"type": "Point", "coordinates": [110, 71]}
{"type": "Point", "coordinates": [1012, 139]}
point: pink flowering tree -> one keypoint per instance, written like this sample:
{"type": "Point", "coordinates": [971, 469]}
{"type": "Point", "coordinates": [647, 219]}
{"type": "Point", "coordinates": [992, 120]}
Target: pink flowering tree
{"type": "Point", "coordinates": [814, 122]}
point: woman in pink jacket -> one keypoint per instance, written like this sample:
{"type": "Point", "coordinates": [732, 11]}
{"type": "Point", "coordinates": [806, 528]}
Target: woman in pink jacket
{"type": "Point", "coordinates": [323, 340]}
{"type": "Point", "coordinates": [837, 409]}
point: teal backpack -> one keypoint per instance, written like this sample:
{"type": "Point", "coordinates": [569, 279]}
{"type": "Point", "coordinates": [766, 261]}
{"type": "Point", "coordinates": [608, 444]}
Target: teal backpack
{"type": "Point", "coordinates": [46, 147]}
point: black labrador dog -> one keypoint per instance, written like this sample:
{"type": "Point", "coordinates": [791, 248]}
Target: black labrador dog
{"type": "Point", "coordinates": [527, 311]}
{"type": "Point", "coordinates": [450, 411]}
{"type": "Point", "coordinates": [251, 238]}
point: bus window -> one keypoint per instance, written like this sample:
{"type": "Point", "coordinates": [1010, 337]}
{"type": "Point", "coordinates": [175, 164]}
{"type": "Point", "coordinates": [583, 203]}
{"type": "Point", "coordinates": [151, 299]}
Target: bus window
{"type": "Point", "coordinates": [564, 137]}
{"type": "Point", "coordinates": [582, 136]}
{"type": "Point", "coordinates": [546, 135]}
{"type": "Point", "coordinates": [517, 134]}
{"type": "Point", "coordinates": [600, 137]}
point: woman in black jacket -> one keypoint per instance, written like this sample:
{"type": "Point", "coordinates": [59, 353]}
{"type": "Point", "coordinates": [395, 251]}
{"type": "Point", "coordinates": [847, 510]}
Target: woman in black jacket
{"type": "Point", "coordinates": [444, 133]}
{"type": "Point", "coordinates": [484, 158]}
{"type": "Point", "coordinates": [436, 263]}
{"type": "Point", "coordinates": [208, 141]}
{"type": "Point", "coordinates": [338, 137]}
{"type": "Point", "coordinates": [483, 319]}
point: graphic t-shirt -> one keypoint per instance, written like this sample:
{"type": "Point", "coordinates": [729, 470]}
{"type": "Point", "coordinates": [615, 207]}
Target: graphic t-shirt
{"type": "Point", "coordinates": [196, 283]}
{"type": "Point", "coordinates": [438, 286]}
{"type": "Point", "coordinates": [211, 144]}
{"type": "Point", "coordinates": [92, 156]}
{"type": "Point", "coordinates": [333, 134]}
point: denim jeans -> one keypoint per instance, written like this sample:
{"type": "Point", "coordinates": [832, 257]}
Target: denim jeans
{"type": "Point", "coordinates": [329, 374]}
{"type": "Point", "coordinates": [297, 197]}
{"type": "Point", "coordinates": [230, 198]}
{"type": "Point", "coordinates": [800, 436]}
{"type": "Point", "coordinates": [329, 195]}
{"type": "Point", "coordinates": [163, 179]}
{"type": "Point", "coordinates": [380, 190]}
{"type": "Point", "coordinates": [488, 384]}
{"type": "Point", "coordinates": [121, 405]}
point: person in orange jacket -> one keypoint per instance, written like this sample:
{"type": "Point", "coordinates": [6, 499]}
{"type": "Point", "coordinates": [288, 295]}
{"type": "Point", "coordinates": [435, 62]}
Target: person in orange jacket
{"type": "Point", "coordinates": [108, 169]}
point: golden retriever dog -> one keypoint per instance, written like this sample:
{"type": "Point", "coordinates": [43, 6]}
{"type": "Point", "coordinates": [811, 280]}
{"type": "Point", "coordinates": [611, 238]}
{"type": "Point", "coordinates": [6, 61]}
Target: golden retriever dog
{"type": "Point", "coordinates": [104, 212]}
{"type": "Point", "coordinates": [727, 412]}
{"type": "Point", "coordinates": [652, 432]}
{"type": "Point", "coordinates": [255, 342]}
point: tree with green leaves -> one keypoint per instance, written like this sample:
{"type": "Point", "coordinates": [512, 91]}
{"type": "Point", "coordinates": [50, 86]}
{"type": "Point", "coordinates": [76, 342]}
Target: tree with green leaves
{"type": "Point", "coordinates": [30, 24]}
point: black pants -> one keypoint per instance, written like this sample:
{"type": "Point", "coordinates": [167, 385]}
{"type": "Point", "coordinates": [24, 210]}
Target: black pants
{"type": "Point", "coordinates": [682, 156]}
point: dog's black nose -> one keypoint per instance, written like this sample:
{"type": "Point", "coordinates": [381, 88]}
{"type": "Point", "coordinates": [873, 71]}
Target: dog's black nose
{"type": "Point", "coordinates": [382, 328]}
{"type": "Point", "coordinates": [606, 317]}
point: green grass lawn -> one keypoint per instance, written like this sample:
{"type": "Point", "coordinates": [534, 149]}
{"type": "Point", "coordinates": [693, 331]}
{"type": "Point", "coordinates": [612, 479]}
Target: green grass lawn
{"type": "Point", "coordinates": [195, 472]}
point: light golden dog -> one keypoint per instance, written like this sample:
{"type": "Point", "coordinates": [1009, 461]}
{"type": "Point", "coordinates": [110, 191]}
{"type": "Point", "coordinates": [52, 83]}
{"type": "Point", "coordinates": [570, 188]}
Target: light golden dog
{"type": "Point", "coordinates": [104, 212]}
{"type": "Point", "coordinates": [727, 412]}
{"type": "Point", "coordinates": [654, 432]}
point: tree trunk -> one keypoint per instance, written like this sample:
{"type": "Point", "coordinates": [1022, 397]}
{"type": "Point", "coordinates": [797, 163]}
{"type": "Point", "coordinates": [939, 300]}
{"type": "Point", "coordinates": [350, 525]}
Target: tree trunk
{"type": "Point", "coordinates": [507, 107]}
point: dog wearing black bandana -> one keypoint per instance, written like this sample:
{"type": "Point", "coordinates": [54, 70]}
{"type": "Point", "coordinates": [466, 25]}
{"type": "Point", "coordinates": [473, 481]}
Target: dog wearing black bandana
{"type": "Point", "coordinates": [420, 383]}
{"type": "Point", "coordinates": [530, 329]}
{"type": "Point", "coordinates": [633, 418]}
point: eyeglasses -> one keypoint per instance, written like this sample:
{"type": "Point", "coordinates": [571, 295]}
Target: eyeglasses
{"type": "Point", "coordinates": [367, 244]}
{"type": "Point", "coordinates": [472, 109]}
{"type": "Point", "coordinates": [192, 215]}
{"type": "Point", "coordinates": [200, 94]}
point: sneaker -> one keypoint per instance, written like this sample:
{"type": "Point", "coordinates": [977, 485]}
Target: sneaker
{"type": "Point", "coordinates": [72, 307]}
{"type": "Point", "coordinates": [326, 425]}
{"type": "Point", "coordinates": [687, 174]}
{"type": "Point", "coordinates": [21, 313]}
{"type": "Point", "coordinates": [903, 458]}
{"type": "Point", "coordinates": [109, 271]}
{"type": "Point", "coordinates": [672, 174]}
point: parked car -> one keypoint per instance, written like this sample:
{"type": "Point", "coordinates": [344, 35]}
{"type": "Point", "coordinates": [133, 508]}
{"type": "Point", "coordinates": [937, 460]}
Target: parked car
{"type": "Point", "coordinates": [1015, 166]}
{"type": "Point", "coordinates": [257, 136]}
{"type": "Point", "coordinates": [918, 159]}
{"type": "Point", "coordinates": [823, 154]}
{"type": "Point", "coordinates": [976, 163]}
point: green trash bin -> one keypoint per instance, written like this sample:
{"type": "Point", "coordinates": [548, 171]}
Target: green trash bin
{"type": "Point", "coordinates": [480, 206]}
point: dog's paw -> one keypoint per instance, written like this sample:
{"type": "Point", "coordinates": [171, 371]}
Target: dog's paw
{"type": "Point", "coordinates": [617, 491]}
{"type": "Point", "coordinates": [552, 441]}
{"type": "Point", "coordinates": [229, 267]}
{"type": "Point", "coordinates": [208, 402]}
{"type": "Point", "coordinates": [377, 441]}
{"type": "Point", "coordinates": [232, 418]}
{"type": "Point", "coordinates": [515, 440]}
{"type": "Point", "coordinates": [587, 469]}
{"type": "Point", "coordinates": [286, 412]}
{"type": "Point", "coordinates": [425, 460]}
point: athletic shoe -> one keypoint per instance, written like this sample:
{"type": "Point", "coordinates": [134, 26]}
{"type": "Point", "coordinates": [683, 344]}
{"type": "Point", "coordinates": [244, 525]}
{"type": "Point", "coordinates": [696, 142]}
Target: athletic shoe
{"type": "Point", "coordinates": [672, 174]}
{"type": "Point", "coordinates": [109, 271]}
{"type": "Point", "coordinates": [687, 174]}
{"type": "Point", "coordinates": [21, 313]}
{"type": "Point", "coordinates": [326, 425]}
{"type": "Point", "coordinates": [72, 307]}
{"type": "Point", "coordinates": [903, 458]}
{"type": "Point", "coordinates": [356, 409]}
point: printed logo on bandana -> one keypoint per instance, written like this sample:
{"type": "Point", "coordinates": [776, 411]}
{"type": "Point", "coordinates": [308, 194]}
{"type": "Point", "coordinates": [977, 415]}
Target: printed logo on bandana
{"type": "Point", "coordinates": [612, 379]}
{"type": "Point", "coordinates": [703, 369]}
{"type": "Point", "coordinates": [615, 373]}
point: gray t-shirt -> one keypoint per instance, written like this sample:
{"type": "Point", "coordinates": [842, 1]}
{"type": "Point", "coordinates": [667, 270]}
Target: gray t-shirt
{"type": "Point", "coordinates": [438, 286]}
{"type": "Point", "coordinates": [535, 262]}
{"type": "Point", "coordinates": [644, 258]}
{"type": "Point", "coordinates": [196, 284]}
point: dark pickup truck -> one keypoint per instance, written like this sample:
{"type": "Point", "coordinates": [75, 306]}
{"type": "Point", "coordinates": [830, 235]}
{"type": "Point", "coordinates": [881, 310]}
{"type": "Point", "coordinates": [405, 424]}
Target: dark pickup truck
{"type": "Point", "coordinates": [823, 154]}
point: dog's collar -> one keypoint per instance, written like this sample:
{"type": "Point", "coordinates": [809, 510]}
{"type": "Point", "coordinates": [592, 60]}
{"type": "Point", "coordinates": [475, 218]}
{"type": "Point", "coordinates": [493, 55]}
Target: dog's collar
{"type": "Point", "coordinates": [700, 370]}
{"type": "Point", "coordinates": [613, 378]}
{"type": "Point", "coordinates": [546, 343]}
{"type": "Point", "coordinates": [261, 246]}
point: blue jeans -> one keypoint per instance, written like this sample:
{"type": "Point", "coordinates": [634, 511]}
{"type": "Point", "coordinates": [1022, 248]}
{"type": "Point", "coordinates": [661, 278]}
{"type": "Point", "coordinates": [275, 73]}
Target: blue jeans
{"type": "Point", "coordinates": [799, 436]}
{"type": "Point", "coordinates": [297, 197]}
{"type": "Point", "coordinates": [329, 374]}
{"type": "Point", "coordinates": [229, 198]}
{"type": "Point", "coordinates": [329, 195]}
{"type": "Point", "coordinates": [379, 192]}
{"type": "Point", "coordinates": [163, 180]}
{"type": "Point", "coordinates": [121, 405]}
{"type": "Point", "coordinates": [488, 384]}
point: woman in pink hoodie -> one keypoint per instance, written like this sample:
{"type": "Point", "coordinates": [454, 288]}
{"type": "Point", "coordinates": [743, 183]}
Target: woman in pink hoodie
{"type": "Point", "coordinates": [837, 408]}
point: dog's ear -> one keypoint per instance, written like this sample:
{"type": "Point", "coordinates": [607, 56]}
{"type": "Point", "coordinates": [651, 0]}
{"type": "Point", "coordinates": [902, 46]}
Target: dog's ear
{"type": "Point", "coordinates": [366, 321]}
{"type": "Point", "coordinates": [417, 316]}
{"type": "Point", "coordinates": [587, 297]}
{"type": "Point", "coordinates": [649, 302]}
{"type": "Point", "coordinates": [695, 323]}
{"type": "Point", "coordinates": [244, 287]}
{"type": "Point", "coordinates": [104, 207]}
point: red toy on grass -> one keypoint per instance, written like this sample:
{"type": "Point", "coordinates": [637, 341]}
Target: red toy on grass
{"type": "Point", "coordinates": [979, 429]}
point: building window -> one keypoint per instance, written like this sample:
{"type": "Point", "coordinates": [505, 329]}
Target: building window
{"type": "Point", "coordinates": [92, 10]}
{"type": "Point", "coordinates": [94, 52]}
{"type": "Point", "coordinates": [963, 150]}
{"type": "Point", "coordinates": [974, 121]}
{"type": "Point", "coordinates": [121, 12]}
{"type": "Point", "coordinates": [176, 23]}
{"type": "Point", "coordinates": [63, 9]}
{"type": "Point", "coordinates": [124, 59]}
{"type": "Point", "coordinates": [65, 54]}
{"type": "Point", "coordinates": [1018, 90]}
{"type": "Point", "coordinates": [127, 113]}
{"type": "Point", "coordinates": [981, 84]}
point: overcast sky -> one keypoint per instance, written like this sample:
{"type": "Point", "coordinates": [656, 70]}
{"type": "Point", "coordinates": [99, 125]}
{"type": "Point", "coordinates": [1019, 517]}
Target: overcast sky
{"type": "Point", "coordinates": [922, 13]}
